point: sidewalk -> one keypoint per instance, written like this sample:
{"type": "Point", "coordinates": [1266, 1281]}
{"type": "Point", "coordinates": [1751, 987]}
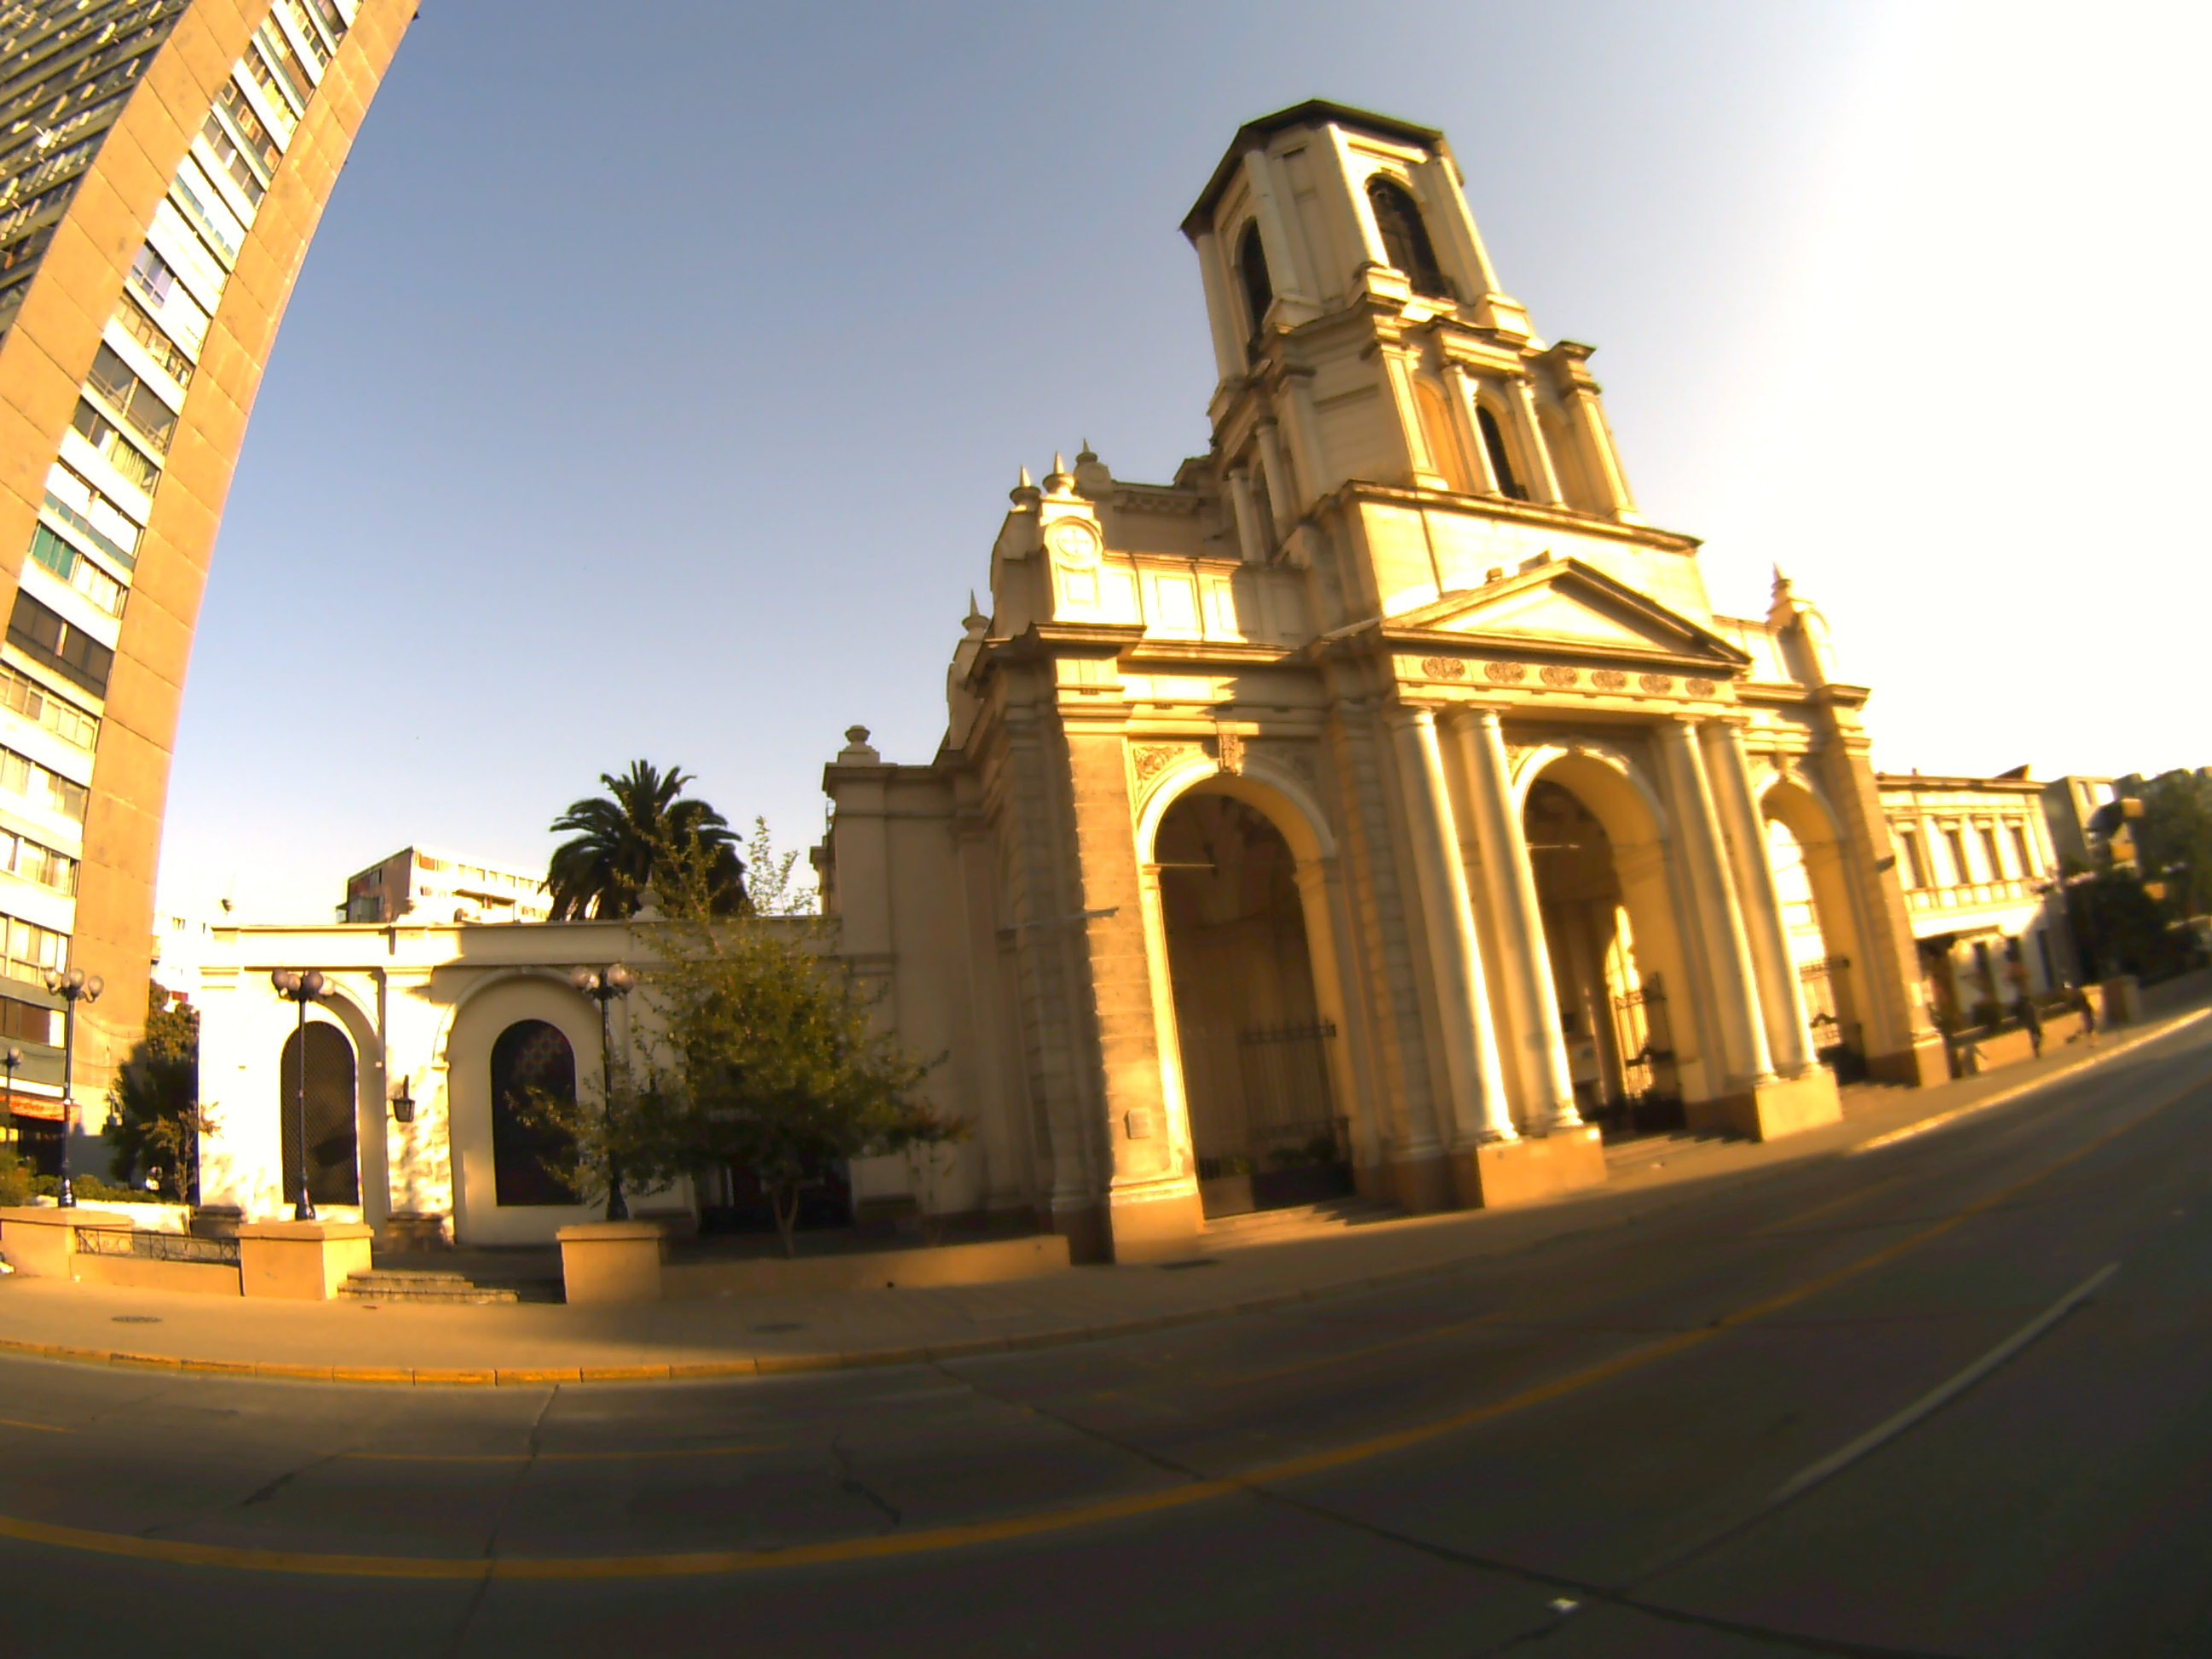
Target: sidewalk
{"type": "Point", "coordinates": [530, 1343]}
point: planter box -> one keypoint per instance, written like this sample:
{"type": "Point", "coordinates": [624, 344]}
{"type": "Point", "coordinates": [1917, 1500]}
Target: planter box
{"type": "Point", "coordinates": [40, 1241]}
{"type": "Point", "coordinates": [138, 1273]}
{"type": "Point", "coordinates": [983, 1263]}
{"type": "Point", "coordinates": [613, 1261]}
{"type": "Point", "coordinates": [301, 1261]}
{"type": "Point", "coordinates": [1980, 1051]}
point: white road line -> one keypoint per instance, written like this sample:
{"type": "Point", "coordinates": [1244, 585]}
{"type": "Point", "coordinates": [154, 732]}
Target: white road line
{"type": "Point", "coordinates": [1936, 1400]}
{"type": "Point", "coordinates": [2005, 1098]}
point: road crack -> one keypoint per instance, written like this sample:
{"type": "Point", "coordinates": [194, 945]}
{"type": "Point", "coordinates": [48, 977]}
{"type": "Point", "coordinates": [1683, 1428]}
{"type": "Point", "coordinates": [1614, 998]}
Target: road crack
{"type": "Point", "coordinates": [850, 1483]}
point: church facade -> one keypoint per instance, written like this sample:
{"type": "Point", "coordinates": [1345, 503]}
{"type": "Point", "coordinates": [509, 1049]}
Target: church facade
{"type": "Point", "coordinates": [1381, 801]}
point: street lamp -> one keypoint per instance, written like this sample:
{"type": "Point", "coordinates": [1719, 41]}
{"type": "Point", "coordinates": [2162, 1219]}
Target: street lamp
{"type": "Point", "coordinates": [603, 986]}
{"type": "Point", "coordinates": [11, 1059]}
{"type": "Point", "coordinates": [302, 988]}
{"type": "Point", "coordinates": [74, 985]}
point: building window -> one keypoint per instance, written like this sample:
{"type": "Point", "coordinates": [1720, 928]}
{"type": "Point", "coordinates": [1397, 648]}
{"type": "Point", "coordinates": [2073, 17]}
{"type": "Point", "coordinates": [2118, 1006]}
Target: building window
{"type": "Point", "coordinates": [1252, 272]}
{"type": "Point", "coordinates": [34, 863]}
{"type": "Point", "coordinates": [34, 702]}
{"type": "Point", "coordinates": [1501, 461]}
{"type": "Point", "coordinates": [2023, 850]}
{"type": "Point", "coordinates": [1989, 852]}
{"type": "Point", "coordinates": [53, 554]}
{"type": "Point", "coordinates": [26, 1022]}
{"type": "Point", "coordinates": [32, 950]}
{"type": "Point", "coordinates": [531, 1058]}
{"type": "Point", "coordinates": [1915, 867]}
{"type": "Point", "coordinates": [43, 635]}
{"type": "Point", "coordinates": [1961, 872]}
{"type": "Point", "coordinates": [1406, 239]}
{"type": "Point", "coordinates": [108, 440]}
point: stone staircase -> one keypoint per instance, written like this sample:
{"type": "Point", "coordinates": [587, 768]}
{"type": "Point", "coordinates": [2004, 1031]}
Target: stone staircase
{"type": "Point", "coordinates": [1293, 1221]}
{"type": "Point", "coordinates": [409, 1284]}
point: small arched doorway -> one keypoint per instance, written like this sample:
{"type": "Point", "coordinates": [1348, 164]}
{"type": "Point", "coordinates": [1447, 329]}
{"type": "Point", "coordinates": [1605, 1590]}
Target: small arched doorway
{"type": "Point", "coordinates": [1602, 904]}
{"type": "Point", "coordinates": [531, 1058]}
{"type": "Point", "coordinates": [332, 1138]}
{"type": "Point", "coordinates": [1266, 1127]}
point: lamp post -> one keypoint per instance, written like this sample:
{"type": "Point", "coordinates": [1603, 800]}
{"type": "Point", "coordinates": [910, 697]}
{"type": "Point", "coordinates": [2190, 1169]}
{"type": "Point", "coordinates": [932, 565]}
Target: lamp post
{"type": "Point", "coordinates": [11, 1059]}
{"type": "Point", "coordinates": [302, 988]}
{"type": "Point", "coordinates": [73, 985]}
{"type": "Point", "coordinates": [603, 986]}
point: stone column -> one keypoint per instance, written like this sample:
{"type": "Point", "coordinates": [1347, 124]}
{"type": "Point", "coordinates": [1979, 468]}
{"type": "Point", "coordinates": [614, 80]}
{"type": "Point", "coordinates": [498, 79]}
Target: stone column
{"type": "Point", "coordinates": [1398, 364]}
{"type": "Point", "coordinates": [1480, 1112]}
{"type": "Point", "coordinates": [1228, 346]}
{"type": "Point", "coordinates": [1509, 886]}
{"type": "Point", "coordinates": [1545, 485]}
{"type": "Point", "coordinates": [1251, 544]}
{"type": "Point", "coordinates": [1714, 910]}
{"type": "Point", "coordinates": [1781, 998]}
{"type": "Point", "coordinates": [1464, 394]}
{"type": "Point", "coordinates": [1282, 489]}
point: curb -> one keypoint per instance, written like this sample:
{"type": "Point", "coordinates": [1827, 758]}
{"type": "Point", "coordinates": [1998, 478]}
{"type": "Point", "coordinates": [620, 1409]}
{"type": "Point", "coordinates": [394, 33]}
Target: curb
{"type": "Point", "coordinates": [791, 1365]}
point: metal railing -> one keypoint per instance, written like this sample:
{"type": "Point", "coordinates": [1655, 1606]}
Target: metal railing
{"type": "Point", "coordinates": [157, 1247]}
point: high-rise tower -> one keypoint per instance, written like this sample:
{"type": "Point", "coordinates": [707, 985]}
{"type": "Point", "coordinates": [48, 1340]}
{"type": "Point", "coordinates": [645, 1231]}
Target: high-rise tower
{"type": "Point", "coordinates": [163, 164]}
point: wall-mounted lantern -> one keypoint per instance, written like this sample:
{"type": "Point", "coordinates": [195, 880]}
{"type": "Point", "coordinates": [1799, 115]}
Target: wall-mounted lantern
{"type": "Point", "coordinates": [403, 1104]}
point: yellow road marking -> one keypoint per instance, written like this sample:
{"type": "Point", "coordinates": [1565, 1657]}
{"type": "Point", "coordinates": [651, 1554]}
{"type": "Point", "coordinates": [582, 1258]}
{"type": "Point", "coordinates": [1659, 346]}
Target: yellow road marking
{"type": "Point", "coordinates": [43, 1428]}
{"type": "Point", "coordinates": [697, 1563]}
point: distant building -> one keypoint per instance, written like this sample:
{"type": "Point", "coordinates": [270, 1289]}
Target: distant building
{"type": "Point", "coordinates": [1979, 873]}
{"type": "Point", "coordinates": [433, 885]}
{"type": "Point", "coordinates": [180, 943]}
{"type": "Point", "coordinates": [2081, 812]}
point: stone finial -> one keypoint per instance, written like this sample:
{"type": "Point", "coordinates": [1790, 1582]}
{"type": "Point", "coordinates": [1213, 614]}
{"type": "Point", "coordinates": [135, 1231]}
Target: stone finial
{"type": "Point", "coordinates": [1025, 493]}
{"type": "Point", "coordinates": [975, 622]}
{"type": "Point", "coordinates": [1085, 455]}
{"type": "Point", "coordinates": [1057, 480]}
{"type": "Point", "coordinates": [1781, 584]}
{"type": "Point", "coordinates": [648, 904]}
{"type": "Point", "coordinates": [1092, 477]}
{"type": "Point", "coordinates": [856, 751]}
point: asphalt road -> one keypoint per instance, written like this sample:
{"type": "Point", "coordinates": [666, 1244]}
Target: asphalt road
{"type": "Point", "coordinates": [1945, 1397]}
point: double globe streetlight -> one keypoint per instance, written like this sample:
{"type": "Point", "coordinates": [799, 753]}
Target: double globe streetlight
{"type": "Point", "coordinates": [603, 986]}
{"type": "Point", "coordinates": [73, 985]}
{"type": "Point", "coordinates": [301, 987]}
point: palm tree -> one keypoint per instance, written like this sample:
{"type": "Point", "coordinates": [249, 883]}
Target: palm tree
{"type": "Point", "coordinates": [640, 834]}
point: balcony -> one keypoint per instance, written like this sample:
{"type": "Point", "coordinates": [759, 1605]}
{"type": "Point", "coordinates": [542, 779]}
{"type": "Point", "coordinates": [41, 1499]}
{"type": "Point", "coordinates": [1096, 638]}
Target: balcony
{"type": "Point", "coordinates": [1971, 895]}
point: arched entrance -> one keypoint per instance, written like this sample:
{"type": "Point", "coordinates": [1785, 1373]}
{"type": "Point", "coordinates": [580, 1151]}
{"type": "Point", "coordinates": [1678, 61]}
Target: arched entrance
{"type": "Point", "coordinates": [333, 1141]}
{"type": "Point", "coordinates": [1614, 1023]}
{"type": "Point", "coordinates": [1807, 857]}
{"type": "Point", "coordinates": [1266, 1125]}
{"type": "Point", "coordinates": [1593, 846]}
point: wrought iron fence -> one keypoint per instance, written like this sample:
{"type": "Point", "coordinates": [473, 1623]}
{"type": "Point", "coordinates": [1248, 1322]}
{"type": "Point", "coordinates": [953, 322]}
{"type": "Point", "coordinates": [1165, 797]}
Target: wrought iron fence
{"type": "Point", "coordinates": [1290, 1107]}
{"type": "Point", "coordinates": [157, 1247]}
{"type": "Point", "coordinates": [1836, 1041]}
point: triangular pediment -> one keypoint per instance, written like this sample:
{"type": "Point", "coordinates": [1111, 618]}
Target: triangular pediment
{"type": "Point", "coordinates": [1566, 607]}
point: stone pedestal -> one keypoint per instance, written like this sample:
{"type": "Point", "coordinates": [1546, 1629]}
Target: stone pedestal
{"type": "Point", "coordinates": [1773, 1109]}
{"type": "Point", "coordinates": [41, 1242]}
{"type": "Point", "coordinates": [301, 1261]}
{"type": "Point", "coordinates": [1155, 1229]}
{"type": "Point", "coordinates": [2122, 1000]}
{"type": "Point", "coordinates": [613, 1261]}
{"type": "Point", "coordinates": [1420, 1185]}
{"type": "Point", "coordinates": [1924, 1065]}
{"type": "Point", "coordinates": [1508, 1172]}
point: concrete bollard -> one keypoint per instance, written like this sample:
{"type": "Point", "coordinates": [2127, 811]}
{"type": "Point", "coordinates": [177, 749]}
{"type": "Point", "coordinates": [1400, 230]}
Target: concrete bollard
{"type": "Point", "coordinates": [613, 1261]}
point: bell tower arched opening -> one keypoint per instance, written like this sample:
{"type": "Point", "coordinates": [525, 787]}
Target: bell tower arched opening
{"type": "Point", "coordinates": [1267, 1127]}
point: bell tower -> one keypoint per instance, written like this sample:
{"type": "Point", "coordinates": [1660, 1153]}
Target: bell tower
{"type": "Point", "coordinates": [1361, 334]}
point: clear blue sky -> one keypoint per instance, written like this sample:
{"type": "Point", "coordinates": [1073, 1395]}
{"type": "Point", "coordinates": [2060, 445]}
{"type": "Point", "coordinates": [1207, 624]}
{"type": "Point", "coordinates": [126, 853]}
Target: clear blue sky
{"type": "Point", "coordinates": [654, 383]}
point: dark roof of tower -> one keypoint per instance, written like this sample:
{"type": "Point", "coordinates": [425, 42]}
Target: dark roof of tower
{"type": "Point", "coordinates": [1312, 111]}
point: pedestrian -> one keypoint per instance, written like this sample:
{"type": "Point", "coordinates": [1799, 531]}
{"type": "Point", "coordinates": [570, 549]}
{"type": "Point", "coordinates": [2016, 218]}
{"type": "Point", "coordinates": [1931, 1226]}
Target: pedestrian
{"type": "Point", "coordinates": [2087, 1005]}
{"type": "Point", "coordinates": [2031, 1021]}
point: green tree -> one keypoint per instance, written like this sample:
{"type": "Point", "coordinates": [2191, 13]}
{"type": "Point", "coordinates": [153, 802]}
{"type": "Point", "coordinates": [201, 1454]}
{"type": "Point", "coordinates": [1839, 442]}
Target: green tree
{"type": "Point", "coordinates": [773, 1061]}
{"type": "Point", "coordinates": [2174, 839]}
{"type": "Point", "coordinates": [644, 832]}
{"type": "Point", "coordinates": [155, 1117]}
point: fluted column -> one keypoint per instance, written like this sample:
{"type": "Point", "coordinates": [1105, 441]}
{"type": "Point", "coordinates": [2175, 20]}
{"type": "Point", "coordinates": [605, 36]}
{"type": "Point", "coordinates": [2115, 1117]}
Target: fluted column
{"type": "Point", "coordinates": [1282, 489]}
{"type": "Point", "coordinates": [1781, 998]}
{"type": "Point", "coordinates": [1509, 888]}
{"type": "Point", "coordinates": [1719, 918]}
{"type": "Point", "coordinates": [1250, 543]}
{"type": "Point", "coordinates": [1480, 1111]}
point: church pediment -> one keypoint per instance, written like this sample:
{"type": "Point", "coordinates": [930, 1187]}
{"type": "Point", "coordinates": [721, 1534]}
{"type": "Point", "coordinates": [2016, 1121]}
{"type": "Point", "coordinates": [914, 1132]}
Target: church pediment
{"type": "Point", "coordinates": [1568, 608]}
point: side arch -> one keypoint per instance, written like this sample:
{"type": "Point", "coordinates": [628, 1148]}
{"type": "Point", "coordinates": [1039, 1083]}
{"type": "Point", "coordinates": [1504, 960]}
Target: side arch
{"type": "Point", "coordinates": [1794, 804]}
